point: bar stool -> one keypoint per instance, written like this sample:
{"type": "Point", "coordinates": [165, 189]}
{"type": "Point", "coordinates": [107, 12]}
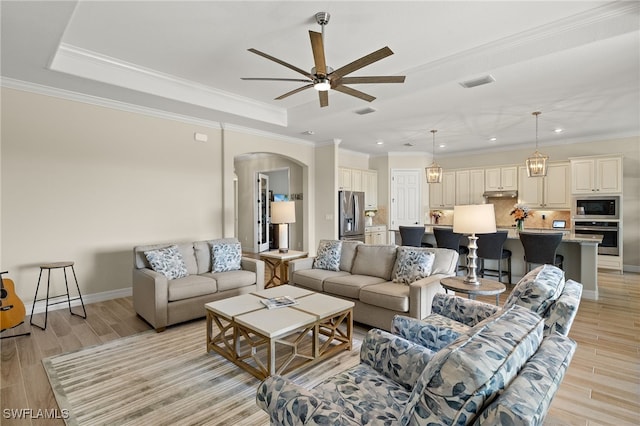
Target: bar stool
{"type": "Point", "coordinates": [412, 236]}
{"type": "Point", "coordinates": [490, 246]}
{"type": "Point", "coordinates": [446, 238]}
{"type": "Point", "coordinates": [540, 249]}
{"type": "Point", "coordinates": [48, 267]}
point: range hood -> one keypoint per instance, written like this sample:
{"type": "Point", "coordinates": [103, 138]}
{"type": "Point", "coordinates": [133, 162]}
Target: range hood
{"type": "Point", "coordinates": [500, 194]}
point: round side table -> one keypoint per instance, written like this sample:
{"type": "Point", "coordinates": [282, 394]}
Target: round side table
{"type": "Point", "coordinates": [485, 288]}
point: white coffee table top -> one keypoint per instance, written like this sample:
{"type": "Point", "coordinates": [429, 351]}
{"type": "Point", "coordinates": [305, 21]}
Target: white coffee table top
{"type": "Point", "coordinates": [322, 305]}
{"type": "Point", "coordinates": [232, 306]}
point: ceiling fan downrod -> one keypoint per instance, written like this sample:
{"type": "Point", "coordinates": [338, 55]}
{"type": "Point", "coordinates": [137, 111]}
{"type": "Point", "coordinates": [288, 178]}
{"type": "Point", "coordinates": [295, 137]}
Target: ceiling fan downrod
{"type": "Point", "coordinates": [322, 18]}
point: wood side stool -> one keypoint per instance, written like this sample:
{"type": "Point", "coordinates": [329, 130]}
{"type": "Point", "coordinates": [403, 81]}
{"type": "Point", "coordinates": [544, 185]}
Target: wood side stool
{"type": "Point", "coordinates": [48, 267]}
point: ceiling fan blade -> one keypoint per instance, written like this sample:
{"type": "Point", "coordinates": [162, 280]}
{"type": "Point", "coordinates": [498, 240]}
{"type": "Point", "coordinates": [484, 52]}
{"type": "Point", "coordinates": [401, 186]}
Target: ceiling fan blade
{"type": "Point", "coordinates": [317, 45]}
{"type": "Point", "coordinates": [354, 92]}
{"type": "Point", "coordinates": [293, 92]}
{"type": "Point", "coordinates": [363, 62]}
{"type": "Point", "coordinates": [271, 58]}
{"type": "Point", "coordinates": [324, 98]}
{"type": "Point", "coordinates": [373, 79]}
{"type": "Point", "coordinates": [275, 79]}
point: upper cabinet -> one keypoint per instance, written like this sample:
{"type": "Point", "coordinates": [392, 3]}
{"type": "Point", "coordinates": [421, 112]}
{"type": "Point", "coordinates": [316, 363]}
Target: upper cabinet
{"type": "Point", "coordinates": [501, 179]}
{"type": "Point", "coordinates": [443, 195]}
{"type": "Point", "coordinates": [469, 187]}
{"type": "Point", "coordinates": [360, 180]}
{"type": "Point", "coordinates": [596, 175]}
{"type": "Point", "coordinates": [551, 192]}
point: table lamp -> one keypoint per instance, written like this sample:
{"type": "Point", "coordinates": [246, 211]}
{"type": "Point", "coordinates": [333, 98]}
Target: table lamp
{"type": "Point", "coordinates": [283, 213]}
{"type": "Point", "coordinates": [471, 220]}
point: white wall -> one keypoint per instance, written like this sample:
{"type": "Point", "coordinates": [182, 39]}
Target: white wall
{"type": "Point", "coordinates": [87, 183]}
{"type": "Point", "coordinates": [352, 159]}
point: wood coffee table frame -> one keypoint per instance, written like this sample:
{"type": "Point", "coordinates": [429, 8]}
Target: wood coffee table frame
{"type": "Point", "coordinates": [264, 342]}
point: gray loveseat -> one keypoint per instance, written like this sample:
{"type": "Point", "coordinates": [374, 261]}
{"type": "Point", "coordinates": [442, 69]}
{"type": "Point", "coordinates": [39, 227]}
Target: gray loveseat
{"type": "Point", "coordinates": [162, 301]}
{"type": "Point", "coordinates": [365, 277]}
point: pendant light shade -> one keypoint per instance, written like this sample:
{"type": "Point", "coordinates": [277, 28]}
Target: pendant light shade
{"type": "Point", "coordinates": [537, 163]}
{"type": "Point", "coordinates": [434, 171]}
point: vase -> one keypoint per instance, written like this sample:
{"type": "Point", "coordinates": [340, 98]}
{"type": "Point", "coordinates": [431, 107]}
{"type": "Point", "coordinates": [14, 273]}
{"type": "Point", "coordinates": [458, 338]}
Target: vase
{"type": "Point", "coordinates": [520, 225]}
{"type": "Point", "coordinates": [368, 221]}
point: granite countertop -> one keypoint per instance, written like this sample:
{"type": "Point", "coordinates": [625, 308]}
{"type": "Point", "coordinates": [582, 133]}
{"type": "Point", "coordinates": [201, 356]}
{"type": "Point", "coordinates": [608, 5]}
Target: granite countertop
{"type": "Point", "coordinates": [568, 234]}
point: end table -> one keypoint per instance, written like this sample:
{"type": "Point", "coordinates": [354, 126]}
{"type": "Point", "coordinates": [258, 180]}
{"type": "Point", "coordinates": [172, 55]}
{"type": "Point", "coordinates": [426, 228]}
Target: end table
{"type": "Point", "coordinates": [485, 288]}
{"type": "Point", "coordinates": [275, 261]}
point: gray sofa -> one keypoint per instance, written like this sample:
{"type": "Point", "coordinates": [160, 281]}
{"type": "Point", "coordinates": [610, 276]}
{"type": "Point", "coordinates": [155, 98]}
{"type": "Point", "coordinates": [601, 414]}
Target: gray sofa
{"type": "Point", "coordinates": [162, 301]}
{"type": "Point", "coordinates": [365, 277]}
{"type": "Point", "coordinates": [468, 363]}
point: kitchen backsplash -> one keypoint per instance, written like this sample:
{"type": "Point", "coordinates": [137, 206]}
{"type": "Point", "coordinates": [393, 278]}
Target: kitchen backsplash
{"type": "Point", "coordinates": [504, 219]}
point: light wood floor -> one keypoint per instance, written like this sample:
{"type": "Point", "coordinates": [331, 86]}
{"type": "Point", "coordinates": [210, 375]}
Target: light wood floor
{"type": "Point", "coordinates": [602, 385]}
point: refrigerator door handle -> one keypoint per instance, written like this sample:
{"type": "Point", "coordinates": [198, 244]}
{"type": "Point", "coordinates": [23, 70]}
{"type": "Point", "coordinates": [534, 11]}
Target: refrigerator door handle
{"type": "Point", "coordinates": [356, 219]}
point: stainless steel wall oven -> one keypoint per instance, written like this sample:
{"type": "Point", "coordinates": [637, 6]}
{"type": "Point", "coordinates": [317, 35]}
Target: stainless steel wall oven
{"type": "Point", "coordinates": [610, 234]}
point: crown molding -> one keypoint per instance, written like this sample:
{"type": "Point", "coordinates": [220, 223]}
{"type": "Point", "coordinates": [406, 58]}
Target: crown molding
{"type": "Point", "coordinates": [84, 63]}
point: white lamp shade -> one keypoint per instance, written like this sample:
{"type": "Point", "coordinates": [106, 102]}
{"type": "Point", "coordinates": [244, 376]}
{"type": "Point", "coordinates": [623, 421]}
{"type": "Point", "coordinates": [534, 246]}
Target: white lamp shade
{"type": "Point", "coordinates": [283, 212]}
{"type": "Point", "coordinates": [474, 219]}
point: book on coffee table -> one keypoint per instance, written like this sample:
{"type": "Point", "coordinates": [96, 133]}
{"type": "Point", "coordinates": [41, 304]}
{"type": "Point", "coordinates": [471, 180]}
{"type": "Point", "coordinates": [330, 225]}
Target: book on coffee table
{"type": "Point", "coordinates": [279, 302]}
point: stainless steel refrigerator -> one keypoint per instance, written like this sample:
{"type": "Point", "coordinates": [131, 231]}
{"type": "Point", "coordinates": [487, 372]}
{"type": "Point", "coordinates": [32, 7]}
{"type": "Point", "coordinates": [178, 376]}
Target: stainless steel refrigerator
{"type": "Point", "coordinates": [351, 215]}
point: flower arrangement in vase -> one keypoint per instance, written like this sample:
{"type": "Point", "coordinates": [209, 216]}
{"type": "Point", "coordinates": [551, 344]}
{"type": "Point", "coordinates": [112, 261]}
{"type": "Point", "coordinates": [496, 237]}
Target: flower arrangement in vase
{"type": "Point", "coordinates": [435, 216]}
{"type": "Point", "coordinates": [520, 212]}
{"type": "Point", "coordinates": [369, 215]}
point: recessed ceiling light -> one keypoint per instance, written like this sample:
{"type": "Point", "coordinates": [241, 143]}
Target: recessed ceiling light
{"type": "Point", "coordinates": [379, 142]}
{"type": "Point", "coordinates": [493, 139]}
{"type": "Point", "coordinates": [558, 130]}
{"type": "Point", "coordinates": [442, 145]}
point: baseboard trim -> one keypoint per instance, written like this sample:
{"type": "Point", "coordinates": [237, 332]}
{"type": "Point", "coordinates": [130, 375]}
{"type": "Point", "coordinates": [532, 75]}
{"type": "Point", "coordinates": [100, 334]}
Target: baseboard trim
{"type": "Point", "coordinates": [88, 298]}
{"type": "Point", "coordinates": [590, 294]}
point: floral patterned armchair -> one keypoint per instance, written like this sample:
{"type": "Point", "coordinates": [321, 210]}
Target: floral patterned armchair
{"type": "Point", "coordinates": [500, 370]}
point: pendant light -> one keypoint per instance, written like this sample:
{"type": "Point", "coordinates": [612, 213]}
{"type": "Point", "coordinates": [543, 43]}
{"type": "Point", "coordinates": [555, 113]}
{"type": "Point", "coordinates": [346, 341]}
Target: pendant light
{"type": "Point", "coordinates": [434, 171]}
{"type": "Point", "coordinates": [537, 163]}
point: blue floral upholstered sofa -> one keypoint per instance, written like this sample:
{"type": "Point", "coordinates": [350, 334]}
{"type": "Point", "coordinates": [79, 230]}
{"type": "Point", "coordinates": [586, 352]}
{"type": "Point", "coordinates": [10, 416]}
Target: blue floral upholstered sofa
{"type": "Point", "coordinates": [173, 281]}
{"type": "Point", "coordinates": [463, 364]}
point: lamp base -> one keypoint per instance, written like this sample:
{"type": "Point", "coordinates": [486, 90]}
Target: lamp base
{"type": "Point", "coordinates": [472, 278]}
{"type": "Point", "coordinates": [283, 250]}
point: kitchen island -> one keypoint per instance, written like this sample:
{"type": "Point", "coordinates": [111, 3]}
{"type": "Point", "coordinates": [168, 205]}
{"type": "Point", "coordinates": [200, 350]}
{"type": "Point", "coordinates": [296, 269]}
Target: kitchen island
{"type": "Point", "coordinates": [580, 255]}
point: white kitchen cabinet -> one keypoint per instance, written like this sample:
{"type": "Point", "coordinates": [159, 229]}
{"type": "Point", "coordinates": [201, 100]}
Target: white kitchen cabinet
{"type": "Point", "coordinates": [356, 180]}
{"type": "Point", "coordinates": [375, 235]}
{"type": "Point", "coordinates": [551, 192]}
{"type": "Point", "coordinates": [602, 175]}
{"type": "Point", "coordinates": [469, 187]}
{"type": "Point", "coordinates": [443, 194]}
{"type": "Point", "coordinates": [344, 178]}
{"type": "Point", "coordinates": [370, 188]}
{"type": "Point", "coordinates": [501, 179]}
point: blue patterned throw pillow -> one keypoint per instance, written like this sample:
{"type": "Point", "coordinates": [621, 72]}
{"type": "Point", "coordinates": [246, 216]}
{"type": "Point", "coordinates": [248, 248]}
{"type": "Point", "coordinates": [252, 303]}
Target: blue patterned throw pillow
{"type": "Point", "coordinates": [168, 261]}
{"type": "Point", "coordinates": [226, 257]}
{"type": "Point", "coordinates": [412, 265]}
{"type": "Point", "coordinates": [328, 256]}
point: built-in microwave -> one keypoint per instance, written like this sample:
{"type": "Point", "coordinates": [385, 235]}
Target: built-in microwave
{"type": "Point", "coordinates": [597, 207]}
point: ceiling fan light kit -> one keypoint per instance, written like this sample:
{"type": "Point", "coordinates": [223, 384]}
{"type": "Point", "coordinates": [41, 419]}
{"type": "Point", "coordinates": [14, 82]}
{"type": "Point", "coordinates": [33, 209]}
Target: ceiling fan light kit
{"type": "Point", "coordinates": [324, 78]}
{"type": "Point", "coordinates": [537, 163]}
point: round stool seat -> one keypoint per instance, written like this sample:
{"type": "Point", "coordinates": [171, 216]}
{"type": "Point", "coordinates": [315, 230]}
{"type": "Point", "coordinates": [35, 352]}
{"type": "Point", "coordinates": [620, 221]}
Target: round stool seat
{"type": "Point", "coordinates": [55, 265]}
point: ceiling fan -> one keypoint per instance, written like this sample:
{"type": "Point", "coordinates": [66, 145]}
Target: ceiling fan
{"type": "Point", "coordinates": [323, 77]}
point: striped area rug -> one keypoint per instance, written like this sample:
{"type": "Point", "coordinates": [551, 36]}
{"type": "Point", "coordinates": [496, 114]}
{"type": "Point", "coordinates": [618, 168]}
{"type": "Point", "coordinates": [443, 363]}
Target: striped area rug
{"type": "Point", "coordinates": [166, 378]}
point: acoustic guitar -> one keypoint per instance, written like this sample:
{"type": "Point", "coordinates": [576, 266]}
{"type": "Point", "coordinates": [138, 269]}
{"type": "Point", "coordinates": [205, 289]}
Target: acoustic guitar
{"type": "Point", "coordinates": [12, 310]}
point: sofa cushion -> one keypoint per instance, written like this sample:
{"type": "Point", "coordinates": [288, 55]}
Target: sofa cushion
{"type": "Point", "coordinates": [386, 295]}
{"type": "Point", "coordinates": [167, 261]}
{"type": "Point", "coordinates": [232, 279]}
{"type": "Point", "coordinates": [191, 286]}
{"type": "Point", "coordinates": [374, 260]}
{"type": "Point", "coordinates": [412, 265]}
{"type": "Point", "coordinates": [434, 332]}
{"type": "Point", "coordinates": [348, 254]}
{"type": "Point", "coordinates": [313, 279]}
{"type": "Point", "coordinates": [225, 256]}
{"type": "Point", "coordinates": [349, 285]}
{"type": "Point", "coordinates": [537, 290]}
{"type": "Point", "coordinates": [203, 252]}
{"type": "Point", "coordinates": [463, 377]}
{"type": "Point", "coordinates": [445, 261]}
{"type": "Point", "coordinates": [328, 256]}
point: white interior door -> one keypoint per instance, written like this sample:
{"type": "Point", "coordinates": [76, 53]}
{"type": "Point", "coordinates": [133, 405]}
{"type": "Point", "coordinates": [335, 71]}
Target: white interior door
{"type": "Point", "coordinates": [261, 212]}
{"type": "Point", "coordinates": [406, 197]}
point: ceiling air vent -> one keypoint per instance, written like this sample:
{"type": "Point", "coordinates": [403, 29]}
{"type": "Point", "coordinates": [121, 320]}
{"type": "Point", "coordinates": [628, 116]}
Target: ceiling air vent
{"type": "Point", "coordinates": [409, 144]}
{"type": "Point", "coordinates": [477, 81]}
{"type": "Point", "coordinates": [367, 110]}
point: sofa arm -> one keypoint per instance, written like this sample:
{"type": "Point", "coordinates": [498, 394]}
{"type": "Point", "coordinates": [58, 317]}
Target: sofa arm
{"type": "Point", "coordinates": [151, 296]}
{"type": "Point", "coordinates": [433, 332]}
{"type": "Point", "coordinates": [467, 311]}
{"type": "Point", "coordinates": [398, 359]}
{"type": "Point", "coordinates": [256, 266]}
{"type": "Point", "coordinates": [421, 294]}
{"type": "Point", "coordinates": [290, 404]}
{"type": "Point", "coordinates": [560, 316]}
{"type": "Point", "coordinates": [300, 264]}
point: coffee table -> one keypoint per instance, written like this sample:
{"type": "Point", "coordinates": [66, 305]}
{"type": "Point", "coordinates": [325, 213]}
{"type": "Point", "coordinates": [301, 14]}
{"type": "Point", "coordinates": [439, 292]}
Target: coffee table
{"type": "Point", "coordinates": [485, 288]}
{"type": "Point", "coordinates": [265, 341]}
